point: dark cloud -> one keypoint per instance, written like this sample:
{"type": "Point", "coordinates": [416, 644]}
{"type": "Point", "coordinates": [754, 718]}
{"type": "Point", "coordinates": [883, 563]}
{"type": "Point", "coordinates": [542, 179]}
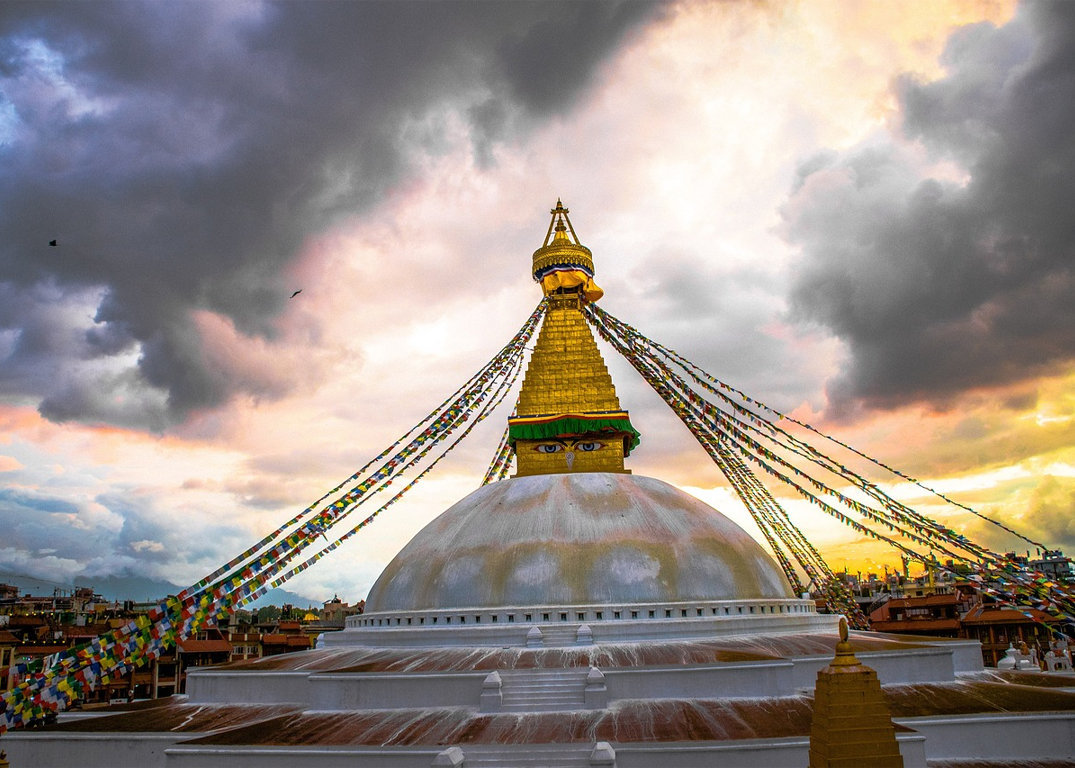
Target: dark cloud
{"type": "Point", "coordinates": [181, 153]}
{"type": "Point", "coordinates": [939, 284]}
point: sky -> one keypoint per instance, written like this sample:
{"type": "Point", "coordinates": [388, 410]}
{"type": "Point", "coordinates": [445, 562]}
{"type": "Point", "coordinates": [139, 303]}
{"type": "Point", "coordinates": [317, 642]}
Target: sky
{"type": "Point", "coordinates": [857, 212]}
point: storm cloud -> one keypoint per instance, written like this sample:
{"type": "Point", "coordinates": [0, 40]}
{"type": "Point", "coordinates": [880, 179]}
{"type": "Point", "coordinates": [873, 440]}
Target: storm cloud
{"type": "Point", "coordinates": [943, 255]}
{"type": "Point", "coordinates": [180, 155]}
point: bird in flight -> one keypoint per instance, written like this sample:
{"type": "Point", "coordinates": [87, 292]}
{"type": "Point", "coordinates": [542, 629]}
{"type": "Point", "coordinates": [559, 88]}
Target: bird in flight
{"type": "Point", "coordinates": [53, 243]}
{"type": "Point", "coordinates": [296, 293]}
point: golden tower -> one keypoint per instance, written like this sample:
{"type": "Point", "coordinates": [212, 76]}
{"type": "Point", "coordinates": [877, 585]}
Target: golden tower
{"type": "Point", "coordinates": [568, 418]}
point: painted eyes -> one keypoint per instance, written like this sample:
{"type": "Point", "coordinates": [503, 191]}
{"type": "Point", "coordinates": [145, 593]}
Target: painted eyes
{"type": "Point", "coordinates": [586, 446]}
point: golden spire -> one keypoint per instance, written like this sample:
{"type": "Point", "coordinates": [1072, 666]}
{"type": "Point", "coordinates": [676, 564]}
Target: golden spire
{"type": "Point", "coordinates": [565, 263]}
{"type": "Point", "coordinates": [852, 725]}
{"type": "Point", "coordinates": [568, 418]}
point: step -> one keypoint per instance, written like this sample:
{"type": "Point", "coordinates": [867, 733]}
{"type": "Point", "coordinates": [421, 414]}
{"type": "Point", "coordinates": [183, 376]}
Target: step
{"type": "Point", "coordinates": [542, 705]}
{"type": "Point", "coordinates": [521, 697]}
{"type": "Point", "coordinates": [543, 690]}
{"type": "Point", "coordinates": [538, 709]}
{"type": "Point", "coordinates": [557, 682]}
{"type": "Point", "coordinates": [559, 636]}
{"type": "Point", "coordinates": [534, 695]}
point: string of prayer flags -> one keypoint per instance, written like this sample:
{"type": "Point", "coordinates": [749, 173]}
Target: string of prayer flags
{"type": "Point", "coordinates": [55, 682]}
{"type": "Point", "coordinates": [736, 429]}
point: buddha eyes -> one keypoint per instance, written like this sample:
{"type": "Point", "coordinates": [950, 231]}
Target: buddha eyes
{"type": "Point", "coordinates": [586, 446]}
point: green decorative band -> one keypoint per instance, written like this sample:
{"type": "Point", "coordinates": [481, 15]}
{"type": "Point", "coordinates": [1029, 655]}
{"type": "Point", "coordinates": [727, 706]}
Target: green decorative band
{"type": "Point", "coordinates": [571, 424]}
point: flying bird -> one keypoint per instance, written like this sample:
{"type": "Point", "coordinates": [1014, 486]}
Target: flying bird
{"type": "Point", "coordinates": [296, 293]}
{"type": "Point", "coordinates": [53, 242]}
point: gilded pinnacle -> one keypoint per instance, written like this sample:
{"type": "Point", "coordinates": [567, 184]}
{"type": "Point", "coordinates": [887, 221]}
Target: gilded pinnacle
{"type": "Point", "coordinates": [568, 417]}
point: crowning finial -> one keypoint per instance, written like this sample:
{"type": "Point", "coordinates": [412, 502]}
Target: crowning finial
{"type": "Point", "coordinates": [562, 264]}
{"type": "Point", "coordinates": [845, 654]}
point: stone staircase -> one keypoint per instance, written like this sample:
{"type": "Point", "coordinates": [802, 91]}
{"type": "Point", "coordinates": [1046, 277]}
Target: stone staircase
{"type": "Point", "coordinates": [558, 636]}
{"type": "Point", "coordinates": [543, 690]}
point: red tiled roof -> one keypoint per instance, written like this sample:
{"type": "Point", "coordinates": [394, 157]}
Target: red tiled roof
{"type": "Point", "coordinates": [291, 641]}
{"type": "Point", "coordinates": [919, 602]}
{"type": "Point", "coordinates": [205, 646]}
{"type": "Point", "coordinates": [6, 638]}
{"type": "Point", "coordinates": [982, 615]}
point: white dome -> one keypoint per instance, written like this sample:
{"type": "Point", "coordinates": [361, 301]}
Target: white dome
{"type": "Point", "coordinates": [575, 539]}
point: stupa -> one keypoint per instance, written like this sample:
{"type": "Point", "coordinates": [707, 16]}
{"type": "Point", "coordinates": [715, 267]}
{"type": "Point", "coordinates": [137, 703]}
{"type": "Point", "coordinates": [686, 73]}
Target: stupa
{"type": "Point", "coordinates": [575, 614]}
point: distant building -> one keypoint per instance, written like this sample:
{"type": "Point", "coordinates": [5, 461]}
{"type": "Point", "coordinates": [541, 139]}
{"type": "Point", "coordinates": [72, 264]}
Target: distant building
{"type": "Point", "coordinates": [335, 611]}
{"type": "Point", "coordinates": [1054, 565]}
{"type": "Point", "coordinates": [937, 614]}
{"type": "Point", "coordinates": [997, 628]}
{"type": "Point", "coordinates": [33, 627]}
